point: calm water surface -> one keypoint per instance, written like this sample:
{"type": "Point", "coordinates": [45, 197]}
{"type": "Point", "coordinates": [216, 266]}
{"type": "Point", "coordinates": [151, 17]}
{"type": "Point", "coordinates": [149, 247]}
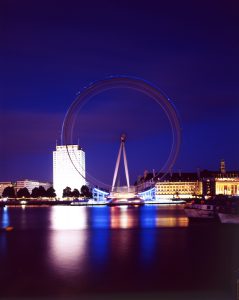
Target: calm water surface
{"type": "Point", "coordinates": [150, 252]}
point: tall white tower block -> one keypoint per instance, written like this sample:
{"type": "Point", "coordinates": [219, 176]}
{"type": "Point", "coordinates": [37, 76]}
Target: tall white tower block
{"type": "Point", "coordinates": [68, 168]}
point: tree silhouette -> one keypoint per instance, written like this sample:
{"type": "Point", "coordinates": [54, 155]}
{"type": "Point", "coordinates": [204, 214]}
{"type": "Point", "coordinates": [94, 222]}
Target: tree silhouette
{"type": "Point", "coordinates": [75, 193]}
{"type": "Point", "coordinates": [23, 192]}
{"type": "Point", "coordinates": [66, 192]}
{"type": "Point", "coordinates": [9, 192]}
{"type": "Point", "coordinates": [85, 191]}
{"type": "Point", "coordinates": [42, 191]}
{"type": "Point", "coordinates": [35, 193]}
{"type": "Point", "coordinates": [50, 192]}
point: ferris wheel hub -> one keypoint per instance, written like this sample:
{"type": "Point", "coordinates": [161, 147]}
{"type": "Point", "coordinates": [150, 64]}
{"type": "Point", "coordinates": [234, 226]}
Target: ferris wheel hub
{"type": "Point", "coordinates": [123, 137]}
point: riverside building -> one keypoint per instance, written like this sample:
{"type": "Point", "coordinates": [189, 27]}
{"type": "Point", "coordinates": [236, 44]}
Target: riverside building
{"type": "Point", "coordinates": [68, 168]}
{"type": "Point", "coordinates": [178, 189]}
{"type": "Point", "coordinates": [227, 186]}
{"type": "Point", "coordinates": [25, 183]}
{"type": "Point", "coordinates": [31, 184]}
{"type": "Point", "coordinates": [188, 185]}
{"type": "Point", "coordinates": [179, 185]}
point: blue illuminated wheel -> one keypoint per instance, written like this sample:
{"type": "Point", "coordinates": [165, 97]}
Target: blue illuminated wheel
{"type": "Point", "coordinates": [134, 83]}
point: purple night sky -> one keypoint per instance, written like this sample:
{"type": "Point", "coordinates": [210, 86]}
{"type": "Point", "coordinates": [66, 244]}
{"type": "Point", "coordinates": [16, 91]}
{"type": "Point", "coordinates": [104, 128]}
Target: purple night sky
{"type": "Point", "coordinates": [52, 49]}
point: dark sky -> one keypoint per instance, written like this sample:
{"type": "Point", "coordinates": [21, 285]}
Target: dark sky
{"type": "Point", "coordinates": [52, 49]}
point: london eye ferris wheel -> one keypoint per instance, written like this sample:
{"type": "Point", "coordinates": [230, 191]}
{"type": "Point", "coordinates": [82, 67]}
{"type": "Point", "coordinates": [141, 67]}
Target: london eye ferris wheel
{"type": "Point", "coordinates": [128, 82]}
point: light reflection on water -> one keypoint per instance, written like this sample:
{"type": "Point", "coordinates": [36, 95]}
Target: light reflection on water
{"type": "Point", "coordinates": [83, 234]}
{"type": "Point", "coordinates": [99, 217]}
{"type": "Point", "coordinates": [79, 236]}
{"type": "Point", "coordinates": [122, 217]}
{"type": "Point", "coordinates": [145, 217]}
{"type": "Point", "coordinates": [67, 245]}
{"type": "Point", "coordinates": [172, 222]}
{"type": "Point", "coordinates": [77, 250]}
{"type": "Point", "coordinates": [5, 217]}
{"type": "Point", "coordinates": [68, 217]}
{"type": "Point", "coordinates": [67, 250]}
{"type": "Point", "coordinates": [5, 223]}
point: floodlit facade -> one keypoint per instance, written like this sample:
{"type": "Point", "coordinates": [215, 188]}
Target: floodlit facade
{"type": "Point", "coordinates": [227, 186]}
{"type": "Point", "coordinates": [175, 189]}
{"type": "Point", "coordinates": [31, 184]}
{"type": "Point", "coordinates": [68, 168]}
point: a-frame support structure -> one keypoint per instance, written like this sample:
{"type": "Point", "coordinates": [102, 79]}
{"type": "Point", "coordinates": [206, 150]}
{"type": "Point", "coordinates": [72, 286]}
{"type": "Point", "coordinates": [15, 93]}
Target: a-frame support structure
{"type": "Point", "coordinates": [122, 149]}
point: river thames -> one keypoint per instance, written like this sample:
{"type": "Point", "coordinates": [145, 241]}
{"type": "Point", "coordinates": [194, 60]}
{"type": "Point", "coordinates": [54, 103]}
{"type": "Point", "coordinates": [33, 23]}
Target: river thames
{"type": "Point", "coordinates": [148, 252]}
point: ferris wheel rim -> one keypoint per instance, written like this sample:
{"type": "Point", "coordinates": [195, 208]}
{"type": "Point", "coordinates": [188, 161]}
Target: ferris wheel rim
{"type": "Point", "coordinates": [130, 82]}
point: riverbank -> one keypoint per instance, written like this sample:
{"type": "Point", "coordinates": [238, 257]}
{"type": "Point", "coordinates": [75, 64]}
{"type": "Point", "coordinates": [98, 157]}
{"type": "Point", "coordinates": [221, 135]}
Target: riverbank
{"type": "Point", "coordinates": [90, 202]}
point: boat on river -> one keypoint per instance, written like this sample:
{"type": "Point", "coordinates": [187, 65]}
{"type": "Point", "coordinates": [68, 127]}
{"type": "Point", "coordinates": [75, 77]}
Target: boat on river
{"type": "Point", "coordinates": [228, 218]}
{"type": "Point", "coordinates": [200, 211]}
{"type": "Point", "coordinates": [79, 202]}
{"type": "Point", "coordinates": [229, 214]}
{"type": "Point", "coordinates": [166, 201]}
{"type": "Point", "coordinates": [126, 201]}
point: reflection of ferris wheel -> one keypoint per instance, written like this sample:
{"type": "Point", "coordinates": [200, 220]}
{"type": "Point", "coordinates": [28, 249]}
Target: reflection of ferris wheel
{"type": "Point", "coordinates": [134, 83]}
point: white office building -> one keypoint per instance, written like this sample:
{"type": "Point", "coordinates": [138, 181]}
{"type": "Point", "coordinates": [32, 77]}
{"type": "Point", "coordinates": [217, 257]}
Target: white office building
{"type": "Point", "coordinates": [68, 168]}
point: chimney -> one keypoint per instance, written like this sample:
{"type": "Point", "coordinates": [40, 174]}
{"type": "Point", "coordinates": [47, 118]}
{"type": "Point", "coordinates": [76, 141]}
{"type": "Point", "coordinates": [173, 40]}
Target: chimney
{"type": "Point", "coordinates": [222, 167]}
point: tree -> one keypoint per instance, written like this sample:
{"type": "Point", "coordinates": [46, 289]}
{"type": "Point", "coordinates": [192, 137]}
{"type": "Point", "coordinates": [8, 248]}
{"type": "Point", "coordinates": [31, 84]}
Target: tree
{"type": "Point", "coordinates": [9, 192]}
{"type": "Point", "coordinates": [85, 191]}
{"type": "Point", "coordinates": [75, 193]}
{"type": "Point", "coordinates": [66, 192]}
{"type": "Point", "coordinates": [35, 193]}
{"type": "Point", "coordinates": [23, 192]}
{"type": "Point", "coordinates": [38, 192]}
{"type": "Point", "coordinates": [42, 191]}
{"type": "Point", "coordinates": [50, 192]}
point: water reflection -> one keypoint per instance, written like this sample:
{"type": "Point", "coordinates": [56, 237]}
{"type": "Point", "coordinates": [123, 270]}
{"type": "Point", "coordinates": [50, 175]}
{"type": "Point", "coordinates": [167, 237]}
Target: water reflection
{"type": "Point", "coordinates": [67, 251]}
{"type": "Point", "coordinates": [172, 222]}
{"type": "Point", "coordinates": [99, 245]}
{"type": "Point", "coordinates": [5, 217]}
{"type": "Point", "coordinates": [123, 217]}
{"type": "Point", "coordinates": [148, 217]}
{"type": "Point", "coordinates": [99, 217]}
{"type": "Point", "coordinates": [67, 243]}
{"type": "Point", "coordinates": [82, 235]}
{"type": "Point", "coordinates": [148, 223]}
{"type": "Point", "coordinates": [5, 223]}
{"type": "Point", "coordinates": [75, 252]}
{"type": "Point", "coordinates": [68, 218]}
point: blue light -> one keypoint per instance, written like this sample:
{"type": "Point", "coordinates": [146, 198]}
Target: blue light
{"type": "Point", "coordinates": [147, 244]}
{"type": "Point", "coordinates": [5, 223]}
{"type": "Point", "coordinates": [99, 217]}
{"type": "Point", "coordinates": [100, 222]}
{"type": "Point", "coordinates": [100, 191]}
{"type": "Point", "coordinates": [148, 217]}
{"type": "Point", "coordinates": [5, 218]}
